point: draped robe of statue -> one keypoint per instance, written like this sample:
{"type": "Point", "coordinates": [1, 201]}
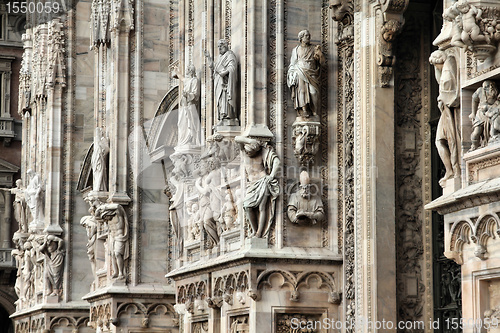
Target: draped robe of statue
{"type": "Point", "coordinates": [264, 189]}
{"type": "Point", "coordinates": [225, 86]}
{"type": "Point", "coordinates": [303, 78]}
{"type": "Point", "coordinates": [188, 121]}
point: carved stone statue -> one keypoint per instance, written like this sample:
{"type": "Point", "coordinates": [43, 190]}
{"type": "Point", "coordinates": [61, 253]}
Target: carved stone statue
{"type": "Point", "coordinates": [207, 184]}
{"type": "Point", "coordinates": [90, 224]}
{"type": "Point", "coordinates": [303, 76]}
{"type": "Point", "coordinates": [447, 139]}
{"type": "Point", "coordinates": [261, 165]}
{"type": "Point", "coordinates": [225, 83]}
{"type": "Point", "coordinates": [194, 222]}
{"type": "Point", "coordinates": [19, 205]}
{"type": "Point", "coordinates": [188, 122]}
{"type": "Point", "coordinates": [99, 156]}
{"type": "Point", "coordinates": [304, 206]}
{"type": "Point", "coordinates": [34, 198]}
{"type": "Point", "coordinates": [484, 102]}
{"type": "Point", "coordinates": [228, 213]}
{"type": "Point", "coordinates": [469, 17]}
{"type": "Point", "coordinates": [118, 241]}
{"type": "Point", "coordinates": [52, 248]}
{"type": "Point", "coordinates": [27, 271]}
{"type": "Point", "coordinates": [341, 8]}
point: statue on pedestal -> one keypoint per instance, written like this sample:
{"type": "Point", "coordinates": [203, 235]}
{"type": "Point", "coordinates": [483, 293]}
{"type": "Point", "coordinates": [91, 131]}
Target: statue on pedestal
{"type": "Point", "coordinates": [188, 121]}
{"type": "Point", "coordinates": [303, 76]}
{"type": "Point", "coordinates": [225, 72]}
{"type": "Point", "coordinates": [304, 206]}
{"type": "Point", "coordinates": [90, 224]}
{"type": "Point", "coordinates": [99, 156]}
{"type": "Point", "coordinates": [261, 165]}
{"type": "Point", "coordinates": [34, 198]}
{"type": "Point", "coordinates": [19, 205]}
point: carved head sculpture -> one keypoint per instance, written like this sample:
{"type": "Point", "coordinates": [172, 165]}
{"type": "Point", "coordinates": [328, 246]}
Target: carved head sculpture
{"type": "Point", "coordinates": [19, 183]}
{"type": "Point", "coordinates": [304, 36]}
{"type": "Point", "coordinates": [305, 185]}
{"type": "Point", "coordinates": [390, 30]}
{"type": "Point", "coordinates": [491, 91]}
{"type": "Point", "coordinates": [340, 9]}
{"type": "Point", "coordinates": [223, 46]}
{"type": "Point", "coordinates": [191, 71]}
{"type": "Point", "coordinates": [252, 148]}
{"type": "Point", "coordinates": [463, 6]}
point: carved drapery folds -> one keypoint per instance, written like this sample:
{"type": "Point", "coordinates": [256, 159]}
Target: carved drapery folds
{"type": "Point", "coordinates": [392, 22]}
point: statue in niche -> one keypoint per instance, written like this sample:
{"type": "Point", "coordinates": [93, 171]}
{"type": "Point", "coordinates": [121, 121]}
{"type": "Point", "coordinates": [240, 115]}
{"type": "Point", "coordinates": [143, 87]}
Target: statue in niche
{"type": "Point", "coordinates": [303, 76]}
{"type": "Point", "coordinates": [228, 213]}
{"type": "Point", "coordinates": [188, 121]}
{"type": "Point", "coordinates": [484, 100]}
{"type": "Point", "coordinates": [207, 184]}
{"type": "Point", "coordinates": [98, 161]}
{"type": "Point", "coordinates": [447, 138]}
{"type": "Point", "coordinates": [225, 72]}
{"type": "Point", "coordinates": [303, 205]}
{"type": "Point", "coordinates": [19, 205]}
{"type": "Point", "coordinates": [52, 248]}
{"type": "Point", "coordinates": [261, 165]}
{"type": "Point", "coordinates": [194, 222]}
{"type": "Point", "coordinates": [90, 224]}
{"type": "Point", "coordinates": [34, 197]}
{"type": "Point", "coordinates": [118, 241]}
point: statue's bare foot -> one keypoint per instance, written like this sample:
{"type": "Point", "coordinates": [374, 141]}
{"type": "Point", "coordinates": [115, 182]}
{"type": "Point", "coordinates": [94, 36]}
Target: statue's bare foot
{"type": "Point", "coordinates": [443, 180]}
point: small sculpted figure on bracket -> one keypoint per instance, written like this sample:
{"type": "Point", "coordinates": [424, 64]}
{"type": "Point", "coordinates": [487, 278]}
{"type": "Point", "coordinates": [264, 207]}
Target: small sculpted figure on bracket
{"type": "Point", "coordinates": [188, 121]}
{"type": "Point", "coordinates": [303, 76]}
{"type": "Point", "coordinates": [225, 71]}
{"type": "Point", "coordinates": [52, 248]}
{"type": "Point", "coordinates": [34, 198]}
{"type": "Point", "coordinates": [99, 157]}
{"type": "Point", "coordinates": [118, 241]}
{"type": "Point", "coordinates": [447, 135]}
{"type": "Point", "coordinates": [484, 106]}
{"type": "Point", "coordinates": [303, 205]}
{"type": "Point", "coordinates": [261, 165]}
{"type": "Point", "coordinates": [19, 205]}
{"type": "Point", "coordinates": [90, 224]}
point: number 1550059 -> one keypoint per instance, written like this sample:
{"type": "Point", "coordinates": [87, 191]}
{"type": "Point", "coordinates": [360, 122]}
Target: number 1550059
{"type": "Point", "coordinates": [32, 7]}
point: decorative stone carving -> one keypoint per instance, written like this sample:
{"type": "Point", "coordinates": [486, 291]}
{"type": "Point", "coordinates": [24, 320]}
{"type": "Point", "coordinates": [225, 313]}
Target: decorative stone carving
{"type": "Point", "coordinates": [225, 72]}
{"type": "Point", "coordinates": [305, 139]}
{"type": "Point", "coordinates": [56, 71]}
{"type": "Point", "coordinates": [53, 249]}
{"type": "Point", "coordinates": [34, 199]}
{"type": "Point", "coordinates": [99, 23]}
{"type": "Point", "coordinates": [474, 28]}
{"type": "Point", "coordinates": [228, 218]}
{"type": "Point", "coordinates": [118, 241]}
{"type": "Point", "coordinates": [188, 121]}
{"type": "Point", "coordinates": [90, 224]}
{"type": "Point", "coordinates": [261, 165]}
{"type": "Point", "coordinates": [19, 205]}
{"type": "Point", "coordinates": [99, 161]}
{"type": "Point", "coordinates": [194, 222]}
{"type": "Point", "coordinates": [484, 106]}
{"type": "Point", "coordinates": [303, 205]}
{"type": "Point", "coordinates": [447, 138]}
{"type": "Point", "coordinates": [303, 76]}
{"type": "Point", "coordinates": [297, 322]}
{"type": "Point", "coordinates": [207, 184]}
{"type": "Point", "coordinates": [239, 324]}
{"type": "Point", "coordinates": [392, 22]}
{"type": "Point", "coordinates": [342, 12]}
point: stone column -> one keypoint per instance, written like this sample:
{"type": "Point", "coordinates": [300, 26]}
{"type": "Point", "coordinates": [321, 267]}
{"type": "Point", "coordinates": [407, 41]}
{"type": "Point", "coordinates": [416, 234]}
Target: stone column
{"type": "Point", "coordinates": [5, 230]}
{"type": "Point", "coordinates": [374, 193]}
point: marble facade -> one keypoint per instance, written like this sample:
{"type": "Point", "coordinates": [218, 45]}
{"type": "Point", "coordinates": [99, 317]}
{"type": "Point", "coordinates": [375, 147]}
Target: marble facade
{"type": "Point", "coordinates": [227, 199]}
